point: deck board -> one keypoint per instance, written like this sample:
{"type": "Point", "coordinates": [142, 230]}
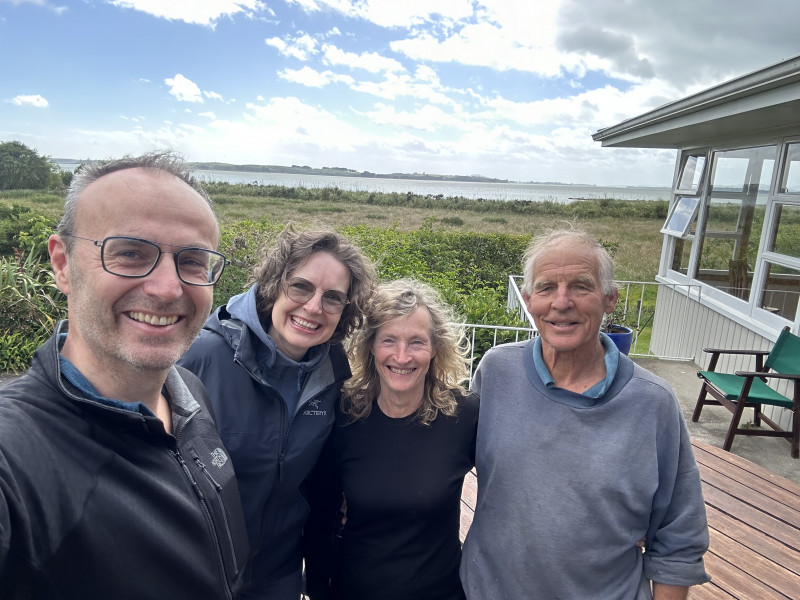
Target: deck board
{"type": "Point", "coordinates": [754, 528]}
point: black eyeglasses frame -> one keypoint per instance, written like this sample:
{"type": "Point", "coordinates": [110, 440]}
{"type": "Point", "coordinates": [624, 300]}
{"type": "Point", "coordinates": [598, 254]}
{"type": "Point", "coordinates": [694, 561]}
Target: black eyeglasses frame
{"type": "Point", "coordinates": [102, 243]}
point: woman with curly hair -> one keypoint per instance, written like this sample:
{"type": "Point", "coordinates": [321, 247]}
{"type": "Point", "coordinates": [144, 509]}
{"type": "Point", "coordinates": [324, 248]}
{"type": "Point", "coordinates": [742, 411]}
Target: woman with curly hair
{"type": "Point", "coordinates": [404, 440]}
{"type": "Point", "coordinates": [273, 363]}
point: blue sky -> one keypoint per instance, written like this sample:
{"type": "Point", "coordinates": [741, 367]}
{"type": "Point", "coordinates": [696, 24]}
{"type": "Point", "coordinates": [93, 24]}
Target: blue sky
{"type": "Point", "coordinates": [511, 89]}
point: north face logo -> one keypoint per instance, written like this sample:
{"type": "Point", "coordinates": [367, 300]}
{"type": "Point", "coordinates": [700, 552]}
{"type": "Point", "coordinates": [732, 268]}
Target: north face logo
{"type": "Point", "coordinates": [218, 458]}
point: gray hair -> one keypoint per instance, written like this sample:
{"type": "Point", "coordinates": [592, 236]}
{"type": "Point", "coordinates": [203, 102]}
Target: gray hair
{"type": "Point", "coordinates": [543, 243]}
{"type": "Point", "coordinates": [165, 161]}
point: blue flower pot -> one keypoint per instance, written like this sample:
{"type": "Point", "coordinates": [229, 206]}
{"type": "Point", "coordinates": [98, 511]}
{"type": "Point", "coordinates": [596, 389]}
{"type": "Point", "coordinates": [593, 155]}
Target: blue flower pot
{"type": "Point", "coordinates": [622, 337]}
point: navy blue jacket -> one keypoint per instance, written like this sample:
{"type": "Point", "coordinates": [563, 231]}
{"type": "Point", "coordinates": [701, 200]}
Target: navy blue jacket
{"type": "Point", "coordinates": [99, 502]}
{"type": "Point", "coordinates": [273, 451]}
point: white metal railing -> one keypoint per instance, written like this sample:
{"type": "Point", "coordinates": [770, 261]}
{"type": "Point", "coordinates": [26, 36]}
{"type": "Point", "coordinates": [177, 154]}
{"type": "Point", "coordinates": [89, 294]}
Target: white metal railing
{"type": "Point", "coordinates": [516, 303]}
{"type": "Point", "coordinates": [520, 333]}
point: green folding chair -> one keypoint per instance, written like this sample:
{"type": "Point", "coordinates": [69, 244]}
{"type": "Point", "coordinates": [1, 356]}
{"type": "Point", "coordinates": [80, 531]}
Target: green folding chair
{"type": "Point", "coordinates": [748, 389]}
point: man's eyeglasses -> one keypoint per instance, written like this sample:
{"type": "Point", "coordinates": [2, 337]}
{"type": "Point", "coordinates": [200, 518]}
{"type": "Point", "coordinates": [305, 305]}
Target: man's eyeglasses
{"type": "Point", "coordinates": [301, 291]}
{"type": "Point", "coordinates": [134, 257]}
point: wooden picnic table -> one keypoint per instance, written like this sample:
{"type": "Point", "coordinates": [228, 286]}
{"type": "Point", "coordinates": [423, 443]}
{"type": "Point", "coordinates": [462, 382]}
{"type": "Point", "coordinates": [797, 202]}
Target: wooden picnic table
{"type": "Point", "coordinates": [754, 528]}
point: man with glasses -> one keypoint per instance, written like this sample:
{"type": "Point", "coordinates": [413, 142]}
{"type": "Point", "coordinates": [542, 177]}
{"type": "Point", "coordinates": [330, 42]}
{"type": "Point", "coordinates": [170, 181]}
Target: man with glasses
{"type": "Point", "coordinates": [113, 480]}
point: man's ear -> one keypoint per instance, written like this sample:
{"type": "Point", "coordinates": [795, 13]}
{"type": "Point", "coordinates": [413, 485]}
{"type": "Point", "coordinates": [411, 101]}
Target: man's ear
{"type": "Point", "coordinates": [59, 262]}
{"type": "Point", "coordinates": [611, 301]}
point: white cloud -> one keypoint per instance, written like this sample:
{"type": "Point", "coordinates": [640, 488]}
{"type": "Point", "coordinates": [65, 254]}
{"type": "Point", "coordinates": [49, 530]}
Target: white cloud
{"type": "Point", "coordinates": [395, 86]}
{"type": "Point", "coordinates": [19, 2]}
{"type": "Point", "coordinates": [427, 118]}
{"type": "Point", "coordinates": [205, 12]}
{"type": "Point", "coordinates": [312, 78]}
{"type": "Point", "coordinates": [501, 42]}
{"type": "Point", "coordinates": [212, 95]}
{"type": "Point", "coordinates": [34, 100]}
{"type": "Point", "coordinates": [185, 90]}
{"type": "Point", "coordinates": [369, 61]}
{"type": "Point", "coordinates": [393, 14]}
{"type": "Point", "coordinates": [208, 115]}
{"type": "Point", "coordinates": [301, 47]}
{"type": "Point", "coordinates": [685, 43]}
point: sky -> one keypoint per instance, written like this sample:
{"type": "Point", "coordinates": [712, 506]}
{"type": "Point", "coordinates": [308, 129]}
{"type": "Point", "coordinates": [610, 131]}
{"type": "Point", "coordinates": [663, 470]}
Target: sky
{"type": "Point", "coordinates": [511, 89]}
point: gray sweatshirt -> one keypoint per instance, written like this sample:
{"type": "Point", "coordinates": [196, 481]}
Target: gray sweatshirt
{"type": "Point", "coordinates": [565, 492]}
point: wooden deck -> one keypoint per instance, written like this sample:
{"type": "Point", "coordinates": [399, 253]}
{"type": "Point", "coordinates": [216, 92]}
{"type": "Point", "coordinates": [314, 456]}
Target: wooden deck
{"type": "Point", "coordinates": [754, 528]}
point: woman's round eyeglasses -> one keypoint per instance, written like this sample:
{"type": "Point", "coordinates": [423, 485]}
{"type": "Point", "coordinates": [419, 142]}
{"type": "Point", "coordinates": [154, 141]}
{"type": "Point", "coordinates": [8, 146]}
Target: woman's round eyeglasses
{"type": "Point", "coordinates": [301, 291]}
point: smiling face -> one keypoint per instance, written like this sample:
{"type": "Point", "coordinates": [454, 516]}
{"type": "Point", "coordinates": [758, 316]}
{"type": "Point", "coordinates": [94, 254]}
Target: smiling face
{"type": "Point", "coordinates": [567, 302]}
{"type": "Point", "coordinates": [126, 326]}
{"type": "Point", "coordinates": [296, 327]}
{"type": "Point", "coordinates": [403, 350]}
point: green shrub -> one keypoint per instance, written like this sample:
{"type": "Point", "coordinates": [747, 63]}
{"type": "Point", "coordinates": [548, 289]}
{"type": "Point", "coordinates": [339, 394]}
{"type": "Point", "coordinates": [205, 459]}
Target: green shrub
{"type": "Point", "coordinates": [30, 306]}
{"type": "Point", "coordinates": [12, 220]}
{"type": "Point", "coordinates": [241, 243]}
{"type": "Point", "coordinates": [22, 168]}
{"type": "Point", "coordinates": [320, 208]}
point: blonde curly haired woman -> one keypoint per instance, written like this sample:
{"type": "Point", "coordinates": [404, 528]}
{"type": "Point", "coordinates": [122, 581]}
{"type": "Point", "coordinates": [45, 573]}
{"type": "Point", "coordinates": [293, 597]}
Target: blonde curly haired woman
{"type": "Point", "coordinates": [403, 441]}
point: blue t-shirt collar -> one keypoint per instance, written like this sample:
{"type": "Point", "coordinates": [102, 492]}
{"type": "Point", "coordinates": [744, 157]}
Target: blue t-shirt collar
{"type": "Point", "coordinates": [598, 389]}
{"type": "Point", "coordinates": [71, 373]}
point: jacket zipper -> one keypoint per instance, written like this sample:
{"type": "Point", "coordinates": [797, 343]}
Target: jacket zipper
{"type": "Point", "coordinates": [218, 488]}
{"type": "Point", "coordinates": [199, 493]}
{"type": "Point", "coordinates": [285, 441]}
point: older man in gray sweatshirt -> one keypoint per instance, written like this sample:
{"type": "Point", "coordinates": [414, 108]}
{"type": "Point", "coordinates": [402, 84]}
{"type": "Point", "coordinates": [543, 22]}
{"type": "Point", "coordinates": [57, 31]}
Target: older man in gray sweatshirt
{"type": "Point", "coordinates": [580, 453]}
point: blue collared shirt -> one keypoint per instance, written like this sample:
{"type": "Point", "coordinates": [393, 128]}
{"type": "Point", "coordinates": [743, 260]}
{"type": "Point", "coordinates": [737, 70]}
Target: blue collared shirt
{"type": "Point", "coordinates": [598, 389]}
{"type": "Point", "coordinates": [76, 378]}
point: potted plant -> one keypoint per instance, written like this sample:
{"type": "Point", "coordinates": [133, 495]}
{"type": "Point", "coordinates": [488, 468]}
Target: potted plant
{"type": "Point", "coordinates": [614, 327]}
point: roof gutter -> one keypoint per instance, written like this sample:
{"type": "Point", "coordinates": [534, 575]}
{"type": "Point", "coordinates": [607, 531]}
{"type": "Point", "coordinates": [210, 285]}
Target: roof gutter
{"type": "Point", "coordinates": [780, 74]}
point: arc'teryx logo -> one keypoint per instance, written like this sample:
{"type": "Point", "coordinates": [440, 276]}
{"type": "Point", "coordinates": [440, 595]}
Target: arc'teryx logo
{"type": "Point", "coordinates": [313, 408]}
{"type": "Point", "coordinates": [218, 457]}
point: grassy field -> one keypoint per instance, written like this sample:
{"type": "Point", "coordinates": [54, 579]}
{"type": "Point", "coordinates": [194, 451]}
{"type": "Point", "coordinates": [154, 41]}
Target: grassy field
{"type": "Point", "coordinates": [637, 240]}
{"type": "Point", "coordinates": [635, 236]}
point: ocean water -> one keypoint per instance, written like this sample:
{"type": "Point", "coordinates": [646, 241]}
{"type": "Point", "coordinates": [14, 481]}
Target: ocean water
{"type": "Point", "coordinates": [533, 192]}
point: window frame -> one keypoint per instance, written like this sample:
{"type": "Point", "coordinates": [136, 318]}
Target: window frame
{"type": "Point", "coordinates": [746, 311]}
{"type": "Point", "coordinates": [693, 203]}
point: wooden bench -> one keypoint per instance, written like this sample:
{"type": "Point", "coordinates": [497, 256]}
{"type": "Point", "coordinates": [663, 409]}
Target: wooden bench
{"type": "Point", "coordinates": [754, 528]}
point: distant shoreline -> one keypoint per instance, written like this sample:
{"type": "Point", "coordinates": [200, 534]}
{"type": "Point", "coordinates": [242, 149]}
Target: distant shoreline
{"type": "Point", "coordinates": [306, 170]}
{"type": "Point", "coordinates": [345, 172]}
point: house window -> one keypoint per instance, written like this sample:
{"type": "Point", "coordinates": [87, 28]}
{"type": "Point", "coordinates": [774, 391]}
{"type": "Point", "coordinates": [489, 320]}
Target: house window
{"type": "Point", "coordinates": [681, 256]}
{"type": "Point", "coordinates": [781, 290]}
{"type": "Point", "coordinates": [734, 216]}
{"type": "Point", "coordinates": [692, 174]}
{"type": "Point", "coordinates": [682, 218]}
{"type": "Point", "coordinates": [787, 230]}
{"type": "Point", "coordinates": [782, 264]}
{"type": "Point", "coordinates": [790, 183]}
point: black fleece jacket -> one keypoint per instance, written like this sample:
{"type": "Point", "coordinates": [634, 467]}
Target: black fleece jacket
{"type": "Point", "coordinates": [100, 502]}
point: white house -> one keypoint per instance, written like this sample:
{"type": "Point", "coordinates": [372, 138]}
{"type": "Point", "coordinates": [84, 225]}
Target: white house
{"type": "Point", "coordinates": [733, 230]}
